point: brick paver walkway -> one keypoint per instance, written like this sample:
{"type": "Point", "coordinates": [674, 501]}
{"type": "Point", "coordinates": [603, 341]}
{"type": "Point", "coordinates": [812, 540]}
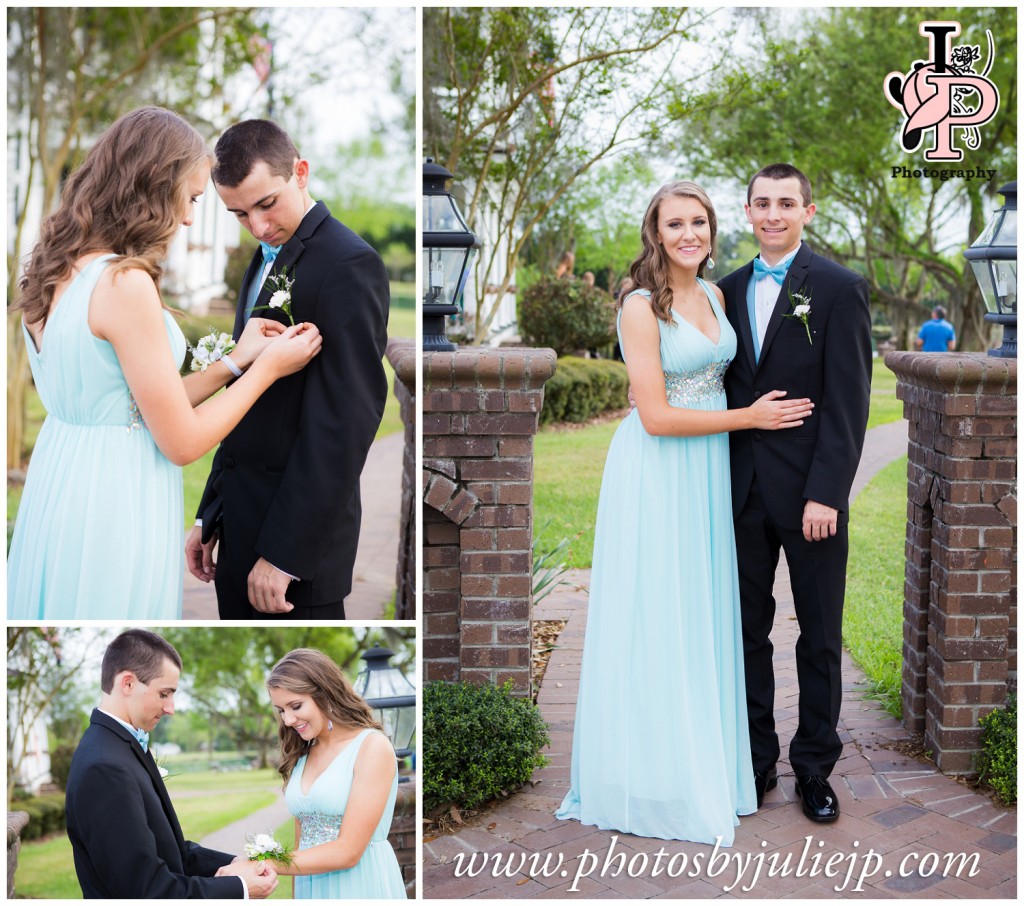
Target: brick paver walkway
{"type": "Point", "coordinates": [373, 579]}
{"type": "Point", "coordinates": [897, 812]}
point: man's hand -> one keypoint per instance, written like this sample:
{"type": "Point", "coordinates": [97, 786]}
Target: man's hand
{"type": "Point", "coordinates": [267, 586]}
{"type": "Point", "coordinates": [820, 521]}
{"type": "Point", "coordinates": [259, 877]}
{"type": "Point", "coordinates": [199, 556]}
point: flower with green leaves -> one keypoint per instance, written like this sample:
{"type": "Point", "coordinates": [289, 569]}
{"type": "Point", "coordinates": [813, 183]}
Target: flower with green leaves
{"type": "Point", "coordinates": [800, 310]}
{"type": "Point", "coordinates": [281, 293]}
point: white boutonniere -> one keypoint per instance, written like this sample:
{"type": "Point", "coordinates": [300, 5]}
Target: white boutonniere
{"type": "Point", "coordinates": [281, 293]}
{"type": "Point", "coordinates": [260, 847]}
{"type": "Point", "coordinates": [800, 310]}
{"type": "Point", "coordinates": [211, 348]}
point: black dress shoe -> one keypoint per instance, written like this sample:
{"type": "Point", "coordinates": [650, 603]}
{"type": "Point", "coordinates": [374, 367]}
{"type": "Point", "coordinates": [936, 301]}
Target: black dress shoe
{"type": "Point", "coordinates": [764, 781]}
{"type": "Point", "coordinates": [817, 797]}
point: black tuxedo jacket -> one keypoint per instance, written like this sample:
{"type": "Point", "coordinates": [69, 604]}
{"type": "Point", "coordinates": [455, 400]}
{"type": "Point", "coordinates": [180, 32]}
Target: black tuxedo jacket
{"type": "Point", "coordinates": [124, 834]}
{"type": "Point", "coordinates": [818, 460]}
{"type": "Point", "coordinates": [285, 483]}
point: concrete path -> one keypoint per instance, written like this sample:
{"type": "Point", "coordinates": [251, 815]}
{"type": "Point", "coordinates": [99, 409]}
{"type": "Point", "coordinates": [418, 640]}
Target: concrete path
{"type": "Point", "coordinates": [231, 839]}
{"type": "Point", "coordinates": [899, 815]}
{"type": "Point", "coordinates": [373, 580]}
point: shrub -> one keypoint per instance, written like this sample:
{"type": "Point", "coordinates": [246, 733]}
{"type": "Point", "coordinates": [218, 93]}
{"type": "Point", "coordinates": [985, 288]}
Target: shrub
{"type": "Point", "coordinates": [997, 761]}
{"type": "Point", "coordinates": [45, 815]}
{"type": "Point", "coordinates": [582, 388]}
{"type": "Point", "coordinates": [60, 763]}
{"type": "Point", "coordinates": [479, 741]}
{"type": "Point", "coordinates": [566, 315]}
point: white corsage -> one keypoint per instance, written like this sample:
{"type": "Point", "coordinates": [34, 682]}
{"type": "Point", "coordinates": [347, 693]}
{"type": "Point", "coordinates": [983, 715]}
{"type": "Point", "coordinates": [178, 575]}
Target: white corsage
{"type": "Point", "coordinates": [800, 309]}
{"type": "Point", "coordinates": [260, 847]}
{"type": "Point", "coordinates": [281, 297]}
{"type": "Point", "coordinates": [211, 348]}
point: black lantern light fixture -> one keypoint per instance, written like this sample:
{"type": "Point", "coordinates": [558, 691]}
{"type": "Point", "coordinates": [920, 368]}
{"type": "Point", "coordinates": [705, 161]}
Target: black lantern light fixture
{"type": "Point", "coordinates": [993, 257]}
{"type": "Point", "coordinates": [391, 696]}
{"type": "Point", "coordinates": [448, 247]}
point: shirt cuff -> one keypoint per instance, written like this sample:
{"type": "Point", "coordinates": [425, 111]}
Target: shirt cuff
{"type": "Point", "coordinates": [288, 574]}
{"type": "Point", "coordinates": [245, 889]}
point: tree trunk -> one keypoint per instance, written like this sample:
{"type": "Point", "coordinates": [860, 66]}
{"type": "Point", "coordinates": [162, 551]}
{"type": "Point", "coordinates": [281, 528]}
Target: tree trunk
{"type": "Point", "coordinates": [18, 378]}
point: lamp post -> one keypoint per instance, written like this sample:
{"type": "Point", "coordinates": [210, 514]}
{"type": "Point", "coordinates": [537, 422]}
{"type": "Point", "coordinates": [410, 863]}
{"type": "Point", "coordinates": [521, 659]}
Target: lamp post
{"type": "Point", "coordinates": [448, 247]}
{"type": "Point", "coordinates": [993, 257]}
{"type": "Point", "coordinates": [391, 695]}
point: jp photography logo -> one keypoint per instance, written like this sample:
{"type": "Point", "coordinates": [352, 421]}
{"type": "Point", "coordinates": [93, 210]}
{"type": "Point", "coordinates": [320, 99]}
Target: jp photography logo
{"type": "Point", "coordinates": [944, 100]}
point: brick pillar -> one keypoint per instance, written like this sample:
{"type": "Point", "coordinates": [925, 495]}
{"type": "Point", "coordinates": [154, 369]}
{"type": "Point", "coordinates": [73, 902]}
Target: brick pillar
{"type": "Point", "coordinates": [403, 834]}
{"type": "Point", "coordinates": [959, 611]}
{"type": "Point", "coordinates": [480, 412]}
{"type": "Point", "coordinates": [16, 823]}
{"type": "Point", "coordinates": [402, 356]}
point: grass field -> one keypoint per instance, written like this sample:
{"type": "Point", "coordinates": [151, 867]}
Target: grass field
{"type": "Point", "coordinates": [204, 802]}
{"type": "Point", "coordinates": [402, 323]}
{"type": "Point", "coordinates": [873, 618]}
{"type": "Point", "coordinates": [569, 463]}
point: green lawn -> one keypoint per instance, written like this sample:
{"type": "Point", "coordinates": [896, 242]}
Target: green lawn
{"type": "Point", "coordinates": [873, 618]}
{"type": "Point", "coordinates": [402, 323]}
{"type": "Point", "coordinates": [569, 464]}
{"type": "Point", "coordinates": [204, 802]}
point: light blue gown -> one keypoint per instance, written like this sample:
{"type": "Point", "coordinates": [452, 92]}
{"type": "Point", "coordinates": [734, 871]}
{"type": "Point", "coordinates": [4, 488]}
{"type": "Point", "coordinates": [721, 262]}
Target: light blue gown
{"type": "Point", "coordinates": [376, 876]}
{"type": "Point", "coordinates": [100, 528]}
{"type": "Point", "coordinates": [660, 746]}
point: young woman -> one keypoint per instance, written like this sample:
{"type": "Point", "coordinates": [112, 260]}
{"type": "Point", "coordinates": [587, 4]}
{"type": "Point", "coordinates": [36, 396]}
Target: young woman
{"type": "Point", "coordinates": [100, 527]}
{"type": "Point", "coordinates": [341, 779]}
{"type": "Point", "coordinates": [663, 650]}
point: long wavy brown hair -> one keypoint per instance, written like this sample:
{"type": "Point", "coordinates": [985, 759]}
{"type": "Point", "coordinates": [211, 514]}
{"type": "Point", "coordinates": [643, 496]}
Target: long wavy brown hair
{"type": "Point", "coordinates": [650, 269]}
{"type": "Point", "coordinates": [308, 671]}
{"type": "Point", "coordinates": [128, 197]}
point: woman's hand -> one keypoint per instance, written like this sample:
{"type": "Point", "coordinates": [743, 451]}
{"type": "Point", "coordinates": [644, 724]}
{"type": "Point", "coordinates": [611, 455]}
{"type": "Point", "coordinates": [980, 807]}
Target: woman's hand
{"type": "Point", "coordinates": [293, 350]}
{"type": "Point", "coordinates": [259, 333]}
{"type": "Point", "coordinates": [770, 412]}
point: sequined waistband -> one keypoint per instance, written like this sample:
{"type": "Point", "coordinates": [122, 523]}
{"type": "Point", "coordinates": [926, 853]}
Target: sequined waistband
{"type": "Point", "coordinates": [685, 388]}
{"type": "Point", "coordinates": [315, 829]}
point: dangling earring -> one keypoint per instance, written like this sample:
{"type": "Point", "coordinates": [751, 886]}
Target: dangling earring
{"type": "Point", "coordinates": [711, 263]}
{"type": "Point", "coordinates": [330, 724]}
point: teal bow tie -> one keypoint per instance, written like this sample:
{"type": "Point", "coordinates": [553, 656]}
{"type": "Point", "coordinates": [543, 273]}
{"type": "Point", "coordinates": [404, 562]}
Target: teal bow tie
{"type": "Point", "coordinates": [270, 252]}
{"type": "Point", "coordinates": [143, 737]}
{"type": "Point", "coordinates": [777, 273]}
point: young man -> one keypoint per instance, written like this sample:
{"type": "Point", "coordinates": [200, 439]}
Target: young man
{"type": "Point", "coordinates": [937, 335]}
{"type": "Point", "coordinates": [282, 499]}
{"type": "Point", "coordinates": [791, 488]}
{"type": "Point", "coordinates": [125, 836]}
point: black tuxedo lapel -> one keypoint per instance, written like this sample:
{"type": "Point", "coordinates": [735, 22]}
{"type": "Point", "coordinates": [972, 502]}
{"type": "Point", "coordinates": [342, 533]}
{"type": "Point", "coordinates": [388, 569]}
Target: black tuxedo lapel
{"type": "Point", "coordinates": [795, 277]}
{"type": "Point", "coordinates": [251, 273]}
{"type": "Point", "coordinates": [742, 313]}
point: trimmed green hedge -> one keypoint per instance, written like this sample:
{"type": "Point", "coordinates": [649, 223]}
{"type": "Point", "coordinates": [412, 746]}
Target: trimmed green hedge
{"type": "Point", "coordinates": [479, 742]}
{"type": "Point", "coordinates": [45, 815]}
{"type": "Point", "coordinates": [582, 388]}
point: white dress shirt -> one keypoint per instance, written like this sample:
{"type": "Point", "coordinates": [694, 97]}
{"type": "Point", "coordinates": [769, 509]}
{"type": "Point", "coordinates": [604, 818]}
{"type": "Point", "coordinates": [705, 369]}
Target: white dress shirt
{"type": "Point", "coordinates": [766, 294]}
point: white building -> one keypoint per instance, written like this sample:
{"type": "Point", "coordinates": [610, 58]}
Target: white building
{"type": "Point", "coordinates": [29, 747]}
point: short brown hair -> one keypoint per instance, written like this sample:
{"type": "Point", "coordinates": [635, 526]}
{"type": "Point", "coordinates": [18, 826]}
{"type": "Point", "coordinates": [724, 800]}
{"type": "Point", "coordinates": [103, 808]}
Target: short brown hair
{"type": "Point", "coordinates": [140, 651]}
{"type": "Point", "coordinates": [782, 171]}
{"type": "Point", "coordinates": [247, 143]}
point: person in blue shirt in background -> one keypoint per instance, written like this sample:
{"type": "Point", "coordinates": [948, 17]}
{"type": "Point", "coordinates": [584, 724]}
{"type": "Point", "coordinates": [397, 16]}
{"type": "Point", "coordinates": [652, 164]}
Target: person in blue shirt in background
{"type": "Point", "coordinates": [937, 335]}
